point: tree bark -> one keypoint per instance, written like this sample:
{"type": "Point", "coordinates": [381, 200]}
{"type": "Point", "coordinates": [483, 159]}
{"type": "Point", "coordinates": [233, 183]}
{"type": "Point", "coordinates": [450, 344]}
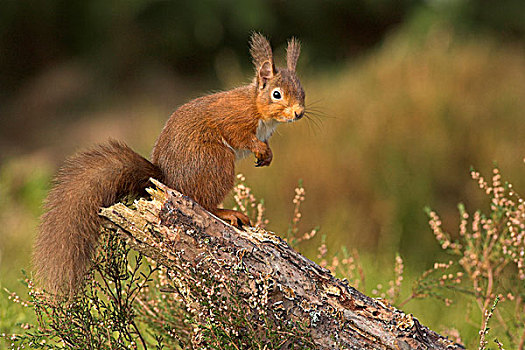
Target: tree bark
{"type": "Point", "coordinates": [179, 234]}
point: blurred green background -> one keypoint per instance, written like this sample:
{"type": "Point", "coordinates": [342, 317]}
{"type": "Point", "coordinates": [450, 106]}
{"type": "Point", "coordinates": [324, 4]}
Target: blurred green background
{"type": "Point", "coordinates": [407, 96]}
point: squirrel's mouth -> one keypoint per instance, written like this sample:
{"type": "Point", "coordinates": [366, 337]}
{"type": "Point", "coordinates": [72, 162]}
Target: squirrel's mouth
{"type": "Point", "coordinates": [291, 114]}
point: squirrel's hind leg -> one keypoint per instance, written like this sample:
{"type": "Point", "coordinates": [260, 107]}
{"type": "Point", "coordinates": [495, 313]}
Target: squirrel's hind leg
{"type": "Point", "coordinates": [235, 218]}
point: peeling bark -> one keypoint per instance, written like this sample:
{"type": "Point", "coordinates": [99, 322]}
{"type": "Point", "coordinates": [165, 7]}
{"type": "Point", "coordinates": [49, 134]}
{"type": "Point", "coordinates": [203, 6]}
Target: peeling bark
{"type": "Point", "coordinates": [178, 233]}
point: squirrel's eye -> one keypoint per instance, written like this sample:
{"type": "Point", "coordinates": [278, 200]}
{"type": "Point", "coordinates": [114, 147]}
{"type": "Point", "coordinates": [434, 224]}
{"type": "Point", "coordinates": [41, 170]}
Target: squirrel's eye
{"type": "Point", "coordinates": [276, 94]}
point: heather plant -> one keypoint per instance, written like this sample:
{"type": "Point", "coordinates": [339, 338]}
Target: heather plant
{"type": "Point", "coordinates": [487, 264]}
{"type": "Point", "coordinates": [490, 255]}
{"type": "Point", "coordinates": [292, 234]}
{"type": "Point", "coordinates": [101, 317]}
{"type": "Point", "coordinates": [246, 203]}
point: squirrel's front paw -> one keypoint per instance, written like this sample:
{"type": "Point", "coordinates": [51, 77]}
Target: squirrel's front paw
{"type": "Point", "coordinates": [264, 159]}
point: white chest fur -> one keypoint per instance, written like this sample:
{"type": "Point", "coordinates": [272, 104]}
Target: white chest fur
{"type": "Point", "coordinates": [264, 131]}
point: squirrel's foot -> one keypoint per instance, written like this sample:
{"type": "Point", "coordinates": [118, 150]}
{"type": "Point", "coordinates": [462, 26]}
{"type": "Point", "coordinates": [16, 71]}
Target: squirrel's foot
{"type": "Point", "coordinates": [233, 217]}
{"type": "Point", "coordinates": [263, 153]}
{"type": "Point", "coordinates": [264, 159]}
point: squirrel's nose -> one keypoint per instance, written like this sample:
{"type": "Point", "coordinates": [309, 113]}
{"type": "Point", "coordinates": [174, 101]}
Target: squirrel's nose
{"type": "Point", "coordinates": [299, 115]}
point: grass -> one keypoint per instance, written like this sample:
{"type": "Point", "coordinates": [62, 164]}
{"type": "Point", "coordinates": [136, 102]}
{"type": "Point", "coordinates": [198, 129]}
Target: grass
{"type": "Point", "coordinates": [396, 130]}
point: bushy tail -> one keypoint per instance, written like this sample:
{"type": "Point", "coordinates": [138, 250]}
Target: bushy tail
{"type": "Point", "coordinates": [70, 227]}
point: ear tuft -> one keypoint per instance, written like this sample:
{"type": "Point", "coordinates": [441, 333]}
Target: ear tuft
{"type": "Point", "coordinates": [262, 56]}
{"type": "Point", "coordinates": [292, 53]}
{"type": "Point", "coordinates": [260, 50]}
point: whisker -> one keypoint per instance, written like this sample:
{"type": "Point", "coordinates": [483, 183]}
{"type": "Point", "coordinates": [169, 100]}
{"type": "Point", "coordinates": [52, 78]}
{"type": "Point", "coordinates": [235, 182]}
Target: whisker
{"type": "Point", "coordinates": [313, 122]}
{"type": "Point", "coordinates": [318, 114]}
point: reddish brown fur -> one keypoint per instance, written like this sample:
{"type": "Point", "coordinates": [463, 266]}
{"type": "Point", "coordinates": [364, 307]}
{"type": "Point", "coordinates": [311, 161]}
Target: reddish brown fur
{"type": "Point", "coordinates": [69, 228]}
{"type": "Point", "coordinates": [192, 150]}
{"type": "Point", "coordinates": [195, 154]}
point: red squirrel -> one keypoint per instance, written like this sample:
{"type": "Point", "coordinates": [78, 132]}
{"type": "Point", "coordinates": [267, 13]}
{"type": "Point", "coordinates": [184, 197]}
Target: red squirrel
{"type": "Point", "coordinates": [194, 154]}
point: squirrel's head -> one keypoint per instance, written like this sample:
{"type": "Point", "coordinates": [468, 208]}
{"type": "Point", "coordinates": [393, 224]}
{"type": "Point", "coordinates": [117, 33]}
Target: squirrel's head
{"type": "Point", "coordinates": [280, 95]}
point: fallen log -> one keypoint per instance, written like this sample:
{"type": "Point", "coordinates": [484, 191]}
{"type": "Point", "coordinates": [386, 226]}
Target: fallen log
{"type": "Point", "coordinates": [179, 234]}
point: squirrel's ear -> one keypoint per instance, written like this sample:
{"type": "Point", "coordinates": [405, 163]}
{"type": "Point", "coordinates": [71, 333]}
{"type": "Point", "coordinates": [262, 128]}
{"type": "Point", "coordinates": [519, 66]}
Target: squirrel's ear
{"type": "Point", "coordinates": [265, 73]}
{"type": "Point", "coordinates": [262, 57]}
{"type": "Point", "coordinates": [292, 53]}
